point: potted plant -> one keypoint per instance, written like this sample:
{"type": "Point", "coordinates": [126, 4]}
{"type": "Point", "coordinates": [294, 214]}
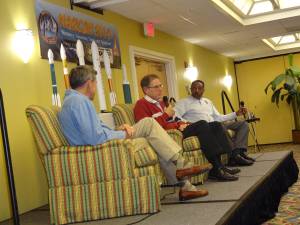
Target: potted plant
{"type": "Point", "coordinates": [286, 86]}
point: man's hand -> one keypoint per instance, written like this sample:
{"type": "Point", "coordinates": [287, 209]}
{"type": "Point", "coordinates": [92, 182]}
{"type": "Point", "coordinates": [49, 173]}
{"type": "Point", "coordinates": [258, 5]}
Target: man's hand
{"type": "Point", "coordinates": [128, 129]}
{"type": "Point", "coordinates": [170, 111]}
{"type": "Point", "coordinates": [182, 126]}
{"type": "Point", "coordinates": [241, 111]}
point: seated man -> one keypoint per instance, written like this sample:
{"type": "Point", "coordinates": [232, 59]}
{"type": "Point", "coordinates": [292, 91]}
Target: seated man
{"type": "Point", "coordinates": [195, 108]}
{"type": "Point", "coordinates": [82, 126]}
{"type": "Point", "coordinates": [211, 135]}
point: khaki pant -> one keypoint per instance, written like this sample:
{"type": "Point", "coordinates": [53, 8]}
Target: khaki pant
{"type": "Point", "coordinates": [162, 143]}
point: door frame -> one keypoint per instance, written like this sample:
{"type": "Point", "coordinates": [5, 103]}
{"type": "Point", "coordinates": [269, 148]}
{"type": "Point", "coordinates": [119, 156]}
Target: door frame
{"type": "Point", "coordinates": [169, 62]}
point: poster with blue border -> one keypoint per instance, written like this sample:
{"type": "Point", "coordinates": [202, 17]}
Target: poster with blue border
{"type": "Point", "coordinates": [58, 25]}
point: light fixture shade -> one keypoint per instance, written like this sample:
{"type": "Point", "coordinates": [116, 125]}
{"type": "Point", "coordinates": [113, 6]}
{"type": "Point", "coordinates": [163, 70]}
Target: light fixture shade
{"type": "Point", "coordinates": [23, 44]}
{"type": "Point", "coordinates": [191, 73]}
{"type": "Point", "coordinates": [227, 81]}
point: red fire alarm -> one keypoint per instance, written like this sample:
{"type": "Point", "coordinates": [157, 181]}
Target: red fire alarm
{"type": "Point", "coordinates": [149, 29]}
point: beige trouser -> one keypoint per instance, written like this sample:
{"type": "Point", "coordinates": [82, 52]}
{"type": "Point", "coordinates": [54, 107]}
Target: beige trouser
{"type": "Point", "coordinates": [162, 143]}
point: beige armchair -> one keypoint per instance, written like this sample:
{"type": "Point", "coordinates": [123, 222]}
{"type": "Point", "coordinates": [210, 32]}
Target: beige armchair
{"type": "Point", "coordinates": [117, 178]}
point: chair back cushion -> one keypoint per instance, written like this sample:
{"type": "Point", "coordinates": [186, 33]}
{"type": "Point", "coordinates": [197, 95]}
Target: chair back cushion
{"type": "Point", "coordinates": [46, 128]}
{"type": "Point", "coordinates": [123, 113]}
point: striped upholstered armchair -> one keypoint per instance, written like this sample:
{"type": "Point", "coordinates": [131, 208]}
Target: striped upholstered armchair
{"type": "Point", "coordinates": [123, 113]}
{"type": "Point", "coordinates": [114, 179]}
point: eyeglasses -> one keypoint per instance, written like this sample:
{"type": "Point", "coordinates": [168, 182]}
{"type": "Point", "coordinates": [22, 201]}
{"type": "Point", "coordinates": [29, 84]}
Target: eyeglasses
{"type": "Point", "coordinates": [157, 86]}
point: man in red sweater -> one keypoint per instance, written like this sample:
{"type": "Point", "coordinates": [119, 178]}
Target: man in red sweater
{"type": "Point", "coordinates": [212, 137]}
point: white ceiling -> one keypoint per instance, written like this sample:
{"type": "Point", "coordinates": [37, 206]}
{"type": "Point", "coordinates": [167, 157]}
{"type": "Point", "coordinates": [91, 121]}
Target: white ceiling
{"type": "Point", "coordinates": [209, 26]}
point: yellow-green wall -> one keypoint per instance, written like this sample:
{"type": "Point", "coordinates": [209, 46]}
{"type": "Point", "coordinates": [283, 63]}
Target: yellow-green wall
{"type": "Point", "coordinates": [253, 76]}
{"type": "Point", "coordinates": [25, 84]}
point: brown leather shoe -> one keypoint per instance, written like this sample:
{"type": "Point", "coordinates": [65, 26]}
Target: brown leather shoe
{"type": "Point", "coordinates": [187, 195]}
{"type": "Point", "coordinates": [192, 171]}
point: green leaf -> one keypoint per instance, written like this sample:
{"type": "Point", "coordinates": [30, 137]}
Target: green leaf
{"type": "Point", "coordinates": [277, 81]}
{"type": "Point", "coordinates": [290, 80]}
{"type": "Point", "coordinates": [295, 70]}
{"type": "Point", "coordinates": [266, 89]}
{"type": "Point", "coordinates": [291, 59]}
{"type": "Point", "coordinates": [283, 96]}
{"type": "Point", "coordinates": [289, 72]}
{"type": "Point", "coordinates": [275, 96]}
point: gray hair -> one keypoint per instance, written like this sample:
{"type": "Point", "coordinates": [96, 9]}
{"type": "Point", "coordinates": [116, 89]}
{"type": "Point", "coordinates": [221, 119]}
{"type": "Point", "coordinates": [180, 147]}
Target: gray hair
{"type": "Point", "coordinates": [146, 80]}
{"type": "Point", "coordinates": [81, 74]}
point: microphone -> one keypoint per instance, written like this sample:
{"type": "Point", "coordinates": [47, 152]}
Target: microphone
{"type": "Point", "coordinates": [251, 117]}
{"type": "Point", "coordinates": [172, 101]}
{"type": "Point", "coordinates": [242, 104]}
{"type": "Point", "coordinates": [165, 100]}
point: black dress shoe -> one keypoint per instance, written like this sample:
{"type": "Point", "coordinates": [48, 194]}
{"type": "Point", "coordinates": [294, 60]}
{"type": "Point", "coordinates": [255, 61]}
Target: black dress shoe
{"type": "Point", "coordinates": [239, 161]}
{"type": "Point", "coordinates": [231, 171]}
{"type": "Point", "coordinates": [221, 175]}
{"type": "Point", "coordinates": [245, 156]}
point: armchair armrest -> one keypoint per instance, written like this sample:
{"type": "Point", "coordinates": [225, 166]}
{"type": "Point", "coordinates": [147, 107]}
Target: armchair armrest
{"type": "Point", "coordinates": [144, 155]}
{"type": "Point", "coordinates": [191, 144]}
{"type": "Point", "coordinates": [75, 165]}
{"type": "Point", "coordinates": [188, 144]}
{"type": "Point", "coordinates": [176, 135]}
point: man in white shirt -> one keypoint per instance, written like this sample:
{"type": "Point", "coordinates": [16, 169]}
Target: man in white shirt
{"type": "Point", "coordinates": [195, 108]}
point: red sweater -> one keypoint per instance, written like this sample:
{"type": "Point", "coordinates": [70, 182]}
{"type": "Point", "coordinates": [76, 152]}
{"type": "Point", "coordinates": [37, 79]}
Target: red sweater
{"type": "Point", "coordinates": [143, 109]}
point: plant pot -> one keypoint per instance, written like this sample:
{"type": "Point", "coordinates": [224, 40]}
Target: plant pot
{"type": "Point", "coordinates": [296, 136]}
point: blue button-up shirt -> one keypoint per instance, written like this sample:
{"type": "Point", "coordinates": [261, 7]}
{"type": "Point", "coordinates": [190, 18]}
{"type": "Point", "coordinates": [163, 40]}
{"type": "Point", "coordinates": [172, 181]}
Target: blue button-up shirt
{"type": "Point", "coordinates": [81, 124]}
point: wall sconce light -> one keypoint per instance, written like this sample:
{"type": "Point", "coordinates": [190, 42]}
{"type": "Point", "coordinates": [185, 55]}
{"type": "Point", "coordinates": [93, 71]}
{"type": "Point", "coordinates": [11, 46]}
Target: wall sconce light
{"type": "Point", "coordinates": [227, 81]}
{"type": "Point", "coordinates": [190, 72]}
{"type": "Point", "coordinates": [23, 44]}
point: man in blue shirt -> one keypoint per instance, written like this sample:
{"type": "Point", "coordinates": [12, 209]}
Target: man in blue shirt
{"type": "Point", "coordinates": [82, 126]}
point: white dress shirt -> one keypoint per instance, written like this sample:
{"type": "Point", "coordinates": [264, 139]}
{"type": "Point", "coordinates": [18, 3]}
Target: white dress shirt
{"type": "Point", "coordinates": [193, 110]}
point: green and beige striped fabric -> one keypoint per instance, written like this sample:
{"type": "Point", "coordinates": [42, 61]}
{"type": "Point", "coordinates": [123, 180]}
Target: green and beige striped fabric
{"type": "Point", "coordinates": [145, 157]}
{"type": "Point", "coordinates": [123, 113]}
{"type": "Point", "coordinates": [198, 158]}
{"type": "Point", "coordinates": [191, 144]}
{"type": "Point", "coordinates": [94, 182]}
{"type": "Point", "coordinates": [101, 200]}
{"type": "Point", "coordinates": [89, 164]}
{"type": "Point", "coordinates": [176, 135]}
{"type": "Point", "coordinates": [46, 128]}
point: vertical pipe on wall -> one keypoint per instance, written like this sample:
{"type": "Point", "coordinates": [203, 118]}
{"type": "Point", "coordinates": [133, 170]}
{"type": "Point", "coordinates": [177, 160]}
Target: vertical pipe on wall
{"type": "Point", "coordinates": [10, 174]}
{"type": "Point", "coordinates": [236, 82]}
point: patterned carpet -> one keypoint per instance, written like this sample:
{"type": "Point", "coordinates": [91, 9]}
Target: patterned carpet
{"type": "Point", "coordinates": [289, 208]}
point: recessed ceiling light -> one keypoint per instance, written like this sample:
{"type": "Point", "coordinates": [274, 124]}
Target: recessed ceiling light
{"type": "Point", "coordinates": [284, 42]}
{"type": "Point", "coordinates": [261, 7]}
{"type": "Point", "coordinates": [249, 12]}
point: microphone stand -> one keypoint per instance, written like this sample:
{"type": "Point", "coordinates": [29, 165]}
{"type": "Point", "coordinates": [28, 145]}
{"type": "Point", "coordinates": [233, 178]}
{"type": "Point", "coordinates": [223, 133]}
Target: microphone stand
{"type": "Point", "coordinates": [249, 120]}
{"type": "Point", "coordinates": [9, 168]}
